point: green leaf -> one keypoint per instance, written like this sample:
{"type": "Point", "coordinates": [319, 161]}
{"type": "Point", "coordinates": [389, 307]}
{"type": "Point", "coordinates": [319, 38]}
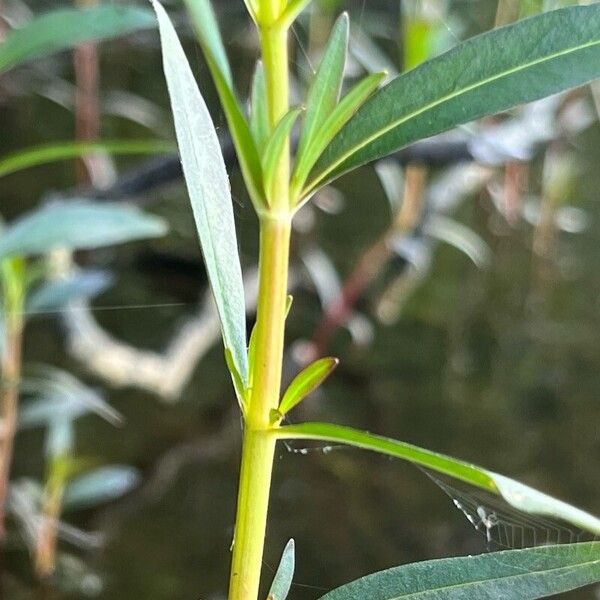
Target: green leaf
{"type": "Point", "coordinates": [324, 92]}
{"type": "Point", "coordinates": [39, 155]}
{"type": "Point", "coordinates": [510, 575]}
{"type": "Point", "coordinates": [62, 29]}
{"type": "Point", "coordinates": [259, 112]}
{"type": "Point", "coordinates": [208, 187]}
{"type": "Point", "coordinates": [275, 147]}
{"type": "Point", "coordinates": [518, 495]}
{"type": "Point", "coordinates": [282, 582]}
{"type": "Point", "coordinates": [79, 225]}
{"type": "Point", "coordinates": [207, 28]}
{"type": "Point", "coordinates": [100, 485]}
{"type": "Point", "coordinates": [487, 74]}
{"type": "Point", "coordinates": [340, 115]}
{"type": "Point", "coordinates": [307, 381]}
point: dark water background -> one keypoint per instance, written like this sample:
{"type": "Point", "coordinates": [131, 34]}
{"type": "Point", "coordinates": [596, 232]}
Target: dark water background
{"type": "Point", "coordinates": [474, 368]}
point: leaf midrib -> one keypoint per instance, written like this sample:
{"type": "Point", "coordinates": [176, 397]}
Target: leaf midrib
{"type": "Point", "coordinates": [438, 102]}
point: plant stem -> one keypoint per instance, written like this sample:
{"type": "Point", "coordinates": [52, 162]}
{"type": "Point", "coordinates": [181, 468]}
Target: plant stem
{"type": "Point", "coordinates": [259, 448]}
{"type": "Point", "coordinates": [265, 377]}
{"type": "Point", "coordinates": [13, 289]}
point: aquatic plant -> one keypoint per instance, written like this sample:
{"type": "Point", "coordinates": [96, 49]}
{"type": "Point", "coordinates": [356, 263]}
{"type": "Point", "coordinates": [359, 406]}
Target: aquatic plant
{"type": "Point", "coordinates": [487, 74]}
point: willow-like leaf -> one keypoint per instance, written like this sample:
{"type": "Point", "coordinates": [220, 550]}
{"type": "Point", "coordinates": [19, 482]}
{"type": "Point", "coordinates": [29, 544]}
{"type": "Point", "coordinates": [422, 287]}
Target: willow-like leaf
{"type": "Point", "coordinates": [208, 187]}
{"type": "Point", "coordinates": [64, 28]}
{"type": "Point", "coordinates": [79, 225]}
{"type": "Point", "coordinates": [275, 146]}
{"type": "Point", "coordinates": [487, 74]}
{"type": "Point", "coordinates": [324, 91]}
{"type": "Point", "coordinates": [47, 153]}
{"type": "Point", "coordinates": [518, 495]}
{"type": "Point", "coordinates": [206, 26]}
{"type": "Point", "coordinates": [340, 115]}
{"type": "Point", "coordinates": [511, 575]}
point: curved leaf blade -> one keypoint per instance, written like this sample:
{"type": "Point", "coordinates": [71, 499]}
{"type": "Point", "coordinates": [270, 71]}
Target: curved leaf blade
{"type": "Point", "coordinates": [282, 582]}
{"type": "Point", "coordinates": [518, 495]}
{"type": "Point", "coordinates": [510, 575]}
{"type": "Point", "coordinates": [275, 147]}
{"type": "Point", "coordinates": [207, 28]}
{"type": "Point", "coordinates": [340, 115]}
{"type": "Point", "coordinates": [305, 382]}
{"type": "Point", "coordinates": [47, 153]}
{"type": "Point", "coordinates": [79, 225]}
{"type": "Point", "coordinates": [208, 186]}
{"type": "Point", "coordinates": [324, 91]}
{"type": "Point", "coordinates": [62, 29]}
{"type": "Point", "coordinates": [487, 74]}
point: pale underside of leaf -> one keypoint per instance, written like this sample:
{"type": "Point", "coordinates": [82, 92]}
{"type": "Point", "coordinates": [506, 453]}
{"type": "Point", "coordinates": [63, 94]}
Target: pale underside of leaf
{"type": "Point", "coordinates": [490, 73]}
{"type": "Point", "coordinates": [518, 495]}
{"type": "Point", "coordinates": [208, 186]}
{"type": "Point", "coordinates": [282, 582]}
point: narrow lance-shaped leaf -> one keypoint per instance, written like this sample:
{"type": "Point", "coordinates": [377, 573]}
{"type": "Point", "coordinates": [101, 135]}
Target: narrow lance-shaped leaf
{"type": "Point", "coordinates": [518, 495]}
{"type": "Point", "coordinates": [340, 115]}
{"type": "Point", "coordinates": [510, 575]}
{"type": "Point", "coordinates": [275, 147]}
{"type": "Point", "coordinates": [307, 381]}
{"type": "Point", "coordinates": [79, 225]}
{"type": "Point", "coordinates": [47, 153]}
{"type": "Point", "coordinates": [62, 29]}
{"type": "Point", "coordinates": [259, 111]}
{"type": "Point", "coordinates": [324, 91]}
{"type": "Point", "coordinates": [282, 582]}
{"type": "Point", "coordinates": [209, 35]}
{"type": "Point", "coordinates": [208, 187]}
{"type": "Point", "coordinates": [487, 74]}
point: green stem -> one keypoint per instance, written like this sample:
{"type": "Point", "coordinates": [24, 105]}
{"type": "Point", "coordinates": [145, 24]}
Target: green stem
{"type": "Point", "coordinates": [259, 447]}
{"type": "Point", "coordinates": [275, 227]}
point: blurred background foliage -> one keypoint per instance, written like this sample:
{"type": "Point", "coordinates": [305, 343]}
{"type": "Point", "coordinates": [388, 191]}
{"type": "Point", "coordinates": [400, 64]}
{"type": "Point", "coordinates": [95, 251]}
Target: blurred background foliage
{"type": "Point", "coordinates": [473, 329]}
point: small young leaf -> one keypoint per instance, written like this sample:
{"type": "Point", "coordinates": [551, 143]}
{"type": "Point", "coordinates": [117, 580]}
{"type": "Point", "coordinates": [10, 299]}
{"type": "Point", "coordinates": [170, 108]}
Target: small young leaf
{"type": "Point", "coordinates": [487, 74]}
{"type": "Point", "coordinates": [209, 35]}
{"type": "Point", "coordinates": [288, 305]}
{"type": "Point", "coordinates": [518, 495]}
{"type": "Point", "coordinates": [77, 224]}
{"type": "Point", "coordinates": [324, 91]}
{"type": "Point", "coordinates": [282, 582]}
{"type": "Point", "coordinates": [275, 147]}
{"type": "Point", "coordinates": [39, 155]}
{"type": "Point", "coordinates": [340, 115]}
{"type": "Point", "coordinates": [62, 29]}
{"type": "Point", "coordinates": [208, 187]}
{"type": "Point", "coordinates": [259, 112]}
{"type": "Point", "coordinates": [307, 381]}
{"type": "Point", "coordinates": [511, 575]}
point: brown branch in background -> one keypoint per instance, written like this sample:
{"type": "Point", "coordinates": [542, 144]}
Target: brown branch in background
{"type": "Point", "coordinates": [372, 260]}
{"type": "Point", "coordinates": [87, 109]}
{"type": "Point", "coordinates": [47, 538]}
{"type": "Point", "coordinates": [87, 112]}
{"type": "Point", "coordinates": [11, 373]}
{"type": "Point", "coordinates": [507, 12]}
{"type": "Point", "coordinates": [516, 176]}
